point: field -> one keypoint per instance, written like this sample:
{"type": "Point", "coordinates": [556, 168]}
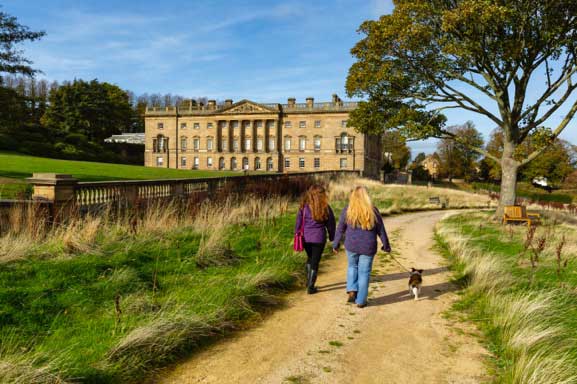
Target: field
{"type": "Point", "coordinates": [520, 291]}
{"type": "Point", "coordinates": [103, 299]}
{"type": "Point", "coordinates": [14, 168]}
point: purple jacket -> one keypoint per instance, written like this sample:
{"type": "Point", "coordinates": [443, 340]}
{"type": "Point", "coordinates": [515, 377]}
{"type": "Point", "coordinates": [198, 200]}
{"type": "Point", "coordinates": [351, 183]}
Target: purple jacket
{"type": "Point", "coordinates": [314, 231]}
{"type": "Point", "coordinates": [358, 240]}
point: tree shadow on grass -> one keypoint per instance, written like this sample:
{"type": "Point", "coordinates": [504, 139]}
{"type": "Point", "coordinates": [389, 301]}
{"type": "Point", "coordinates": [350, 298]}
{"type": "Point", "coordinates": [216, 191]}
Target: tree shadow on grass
{"type": "Point", "coordinates": [428, 292]}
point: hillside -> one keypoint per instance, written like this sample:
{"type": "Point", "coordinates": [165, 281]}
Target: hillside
{"type": "Point", "coordinates": [14, 168]}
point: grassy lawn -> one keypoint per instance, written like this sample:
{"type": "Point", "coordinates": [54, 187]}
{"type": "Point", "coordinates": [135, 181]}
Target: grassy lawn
{"type": "Point", "coordinates": [102, 301]}
{"type": "Point", "coordinates": [110, 306]}
{"type": "Point", "coordinates": [527, 190]}
{"type": "Point", "coordinates": [520, 293]}
{"type": "Point", "coordinates": [14, 168]}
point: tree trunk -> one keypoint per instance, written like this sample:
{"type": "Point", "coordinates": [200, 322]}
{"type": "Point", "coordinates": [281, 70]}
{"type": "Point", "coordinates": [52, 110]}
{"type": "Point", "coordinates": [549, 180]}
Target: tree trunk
{"type": "Point", "coordinates": [508, 194]}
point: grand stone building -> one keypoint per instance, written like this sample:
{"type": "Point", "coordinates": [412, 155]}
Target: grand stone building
{"type": "Point", "coordinates": [291, 137]}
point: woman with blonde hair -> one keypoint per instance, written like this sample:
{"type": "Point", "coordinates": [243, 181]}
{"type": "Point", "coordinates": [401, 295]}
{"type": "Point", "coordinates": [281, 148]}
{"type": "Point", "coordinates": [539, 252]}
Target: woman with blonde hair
{"type": "Point", "coordinates": [314, 219]}
{"type": "Point", "coordinates": [361, 223]}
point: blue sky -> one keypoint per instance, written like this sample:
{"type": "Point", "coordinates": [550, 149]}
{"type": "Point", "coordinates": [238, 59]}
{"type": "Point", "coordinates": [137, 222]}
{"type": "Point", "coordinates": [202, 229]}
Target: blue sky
{"type": "Point", "coordinates": [264, 50]}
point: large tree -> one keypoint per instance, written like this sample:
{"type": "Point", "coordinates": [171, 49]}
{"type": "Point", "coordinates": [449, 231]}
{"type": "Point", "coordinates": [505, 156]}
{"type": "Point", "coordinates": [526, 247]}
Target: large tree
{"type": "Point", "coordinates": [555, 162]}
{"type": "Point", "coordinates": [456, 157]}
{"type": "Point", "coordinates": [13, 33]}
{"type": "Point", "coordinates": [477, 55]}
{"type": "Point", "coordinates": [397, 152]}
{"type": "Point", "coordinates": [92, 110]}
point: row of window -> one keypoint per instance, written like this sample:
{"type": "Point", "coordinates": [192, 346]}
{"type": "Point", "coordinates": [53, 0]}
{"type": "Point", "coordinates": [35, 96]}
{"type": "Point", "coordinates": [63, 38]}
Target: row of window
{"type": "Point", "coordinates": [287, 124]}
{"type": "Point", "coordinates": [343, 143]}
{"type": "Point", "coordinates": [245, 163]}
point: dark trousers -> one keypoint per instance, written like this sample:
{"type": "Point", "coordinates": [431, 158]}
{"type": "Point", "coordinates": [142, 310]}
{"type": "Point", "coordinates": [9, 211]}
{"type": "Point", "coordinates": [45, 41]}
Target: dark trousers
{"type": "Point", "coordinates": [314, 252]}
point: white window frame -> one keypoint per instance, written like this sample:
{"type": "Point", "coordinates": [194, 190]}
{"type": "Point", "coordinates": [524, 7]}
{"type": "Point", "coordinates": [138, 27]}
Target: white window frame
{"type": "Point", "coordinates": [196, 126]}
{"type": "Point", "coordinates": [317, 162]}
{"type": "Point", "coordinates": [317, 140]}
{"type": "Point", "coordinates": [302, 124]}
{"type": "Point", "coordinates": [209, 143]}
{"type": "Point", "coordinates": [271, 143]}
{"type": "Point", "coordinates": [183, 161]}
{"type": "Point", "coordinates": [301, 162]}
{"type": "Point", "coordinates": [160, 125]}
{"type": "Point", "coordinates": [269, 164]}
{"type": "Point", "coordinates": [183, 143]}
{"type": "Point", "coordinates": [209, 162]}
{"type": "Point", "coordinates": [196, 162]}
{"type": "Point", "coordinates": [302, 143]}
{"type": "Point", "coordinates": [287, 143]}
{"type": "Point", "coordinates": [224, 143]}
{"type": "Point", "coordinates": [341, 160]}
{"type": "Point", "coordinates": [160, 161]}
{"type": "Point", "coordinates": [183, 126]}
{"type": "Point", "coordinates": [287, 163]}
{"type": "Point", "coordinates": [317, 123]}
{"type": "Point", "coordinates": [344, 123]}
{"type": "Point", "coordinates": [208, 125]}
{"type": "Point", "coordinates": [196, 143]}
{"type": "Point", "coordinates": [259, 144]}
{"type": "Point", "coordinates": [288, 124]}
{"type": "Point", "coordinates": [247, 143]}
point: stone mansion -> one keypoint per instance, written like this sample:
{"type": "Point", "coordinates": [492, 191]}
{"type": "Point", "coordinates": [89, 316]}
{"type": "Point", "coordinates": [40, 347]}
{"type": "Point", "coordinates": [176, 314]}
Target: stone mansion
{"type": "Point", "coordinates": [292, 137]}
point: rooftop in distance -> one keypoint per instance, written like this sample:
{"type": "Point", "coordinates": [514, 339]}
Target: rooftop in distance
{"type": "Point", "coordinates": [212, 107]}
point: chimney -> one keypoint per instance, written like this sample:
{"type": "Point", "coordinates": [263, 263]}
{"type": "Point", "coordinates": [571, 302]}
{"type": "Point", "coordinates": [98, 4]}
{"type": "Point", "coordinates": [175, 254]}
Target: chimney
{"type": "Point", "coordinates": [310, 102]}
{"type": "Point", "coordinates": [291, 102]}
{"type": "Point", "coordinates": [228, 102]}
{"type": "Point", "coordinates": [212, 105]}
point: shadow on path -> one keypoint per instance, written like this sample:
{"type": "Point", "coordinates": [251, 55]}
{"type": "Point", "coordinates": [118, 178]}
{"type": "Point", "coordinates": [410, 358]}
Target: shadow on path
{"type": "Point", "coordinates": [428, 292]}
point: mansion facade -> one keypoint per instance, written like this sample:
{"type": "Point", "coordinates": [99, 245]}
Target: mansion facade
{"type": "Point", "coordinates": [291, 137]}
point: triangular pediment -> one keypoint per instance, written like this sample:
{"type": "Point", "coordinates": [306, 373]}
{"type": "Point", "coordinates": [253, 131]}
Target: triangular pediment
{"type": "Point", "coordinates": [247, 106]}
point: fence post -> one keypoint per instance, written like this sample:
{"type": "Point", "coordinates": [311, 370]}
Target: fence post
{"type": "Point", "coordinates": [58, 189]}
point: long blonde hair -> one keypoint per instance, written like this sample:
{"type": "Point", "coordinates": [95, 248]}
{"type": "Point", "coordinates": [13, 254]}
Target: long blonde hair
{"type": "Point", "coordinates": [317, 200]}
{"type": "Point", "coordinates": [360, 213]}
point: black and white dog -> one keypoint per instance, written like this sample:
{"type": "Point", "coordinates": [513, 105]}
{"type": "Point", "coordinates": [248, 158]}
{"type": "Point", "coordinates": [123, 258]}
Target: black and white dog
{"type": "Point", "coordinates": [415, 282]}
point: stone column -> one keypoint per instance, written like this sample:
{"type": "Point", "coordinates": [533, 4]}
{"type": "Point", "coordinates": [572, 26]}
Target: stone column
{"type": "Point", "coordinates": [58, 189]}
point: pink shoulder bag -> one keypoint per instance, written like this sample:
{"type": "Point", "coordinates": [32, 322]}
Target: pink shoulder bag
{"type": "Point", "coordinates": [299, 241]}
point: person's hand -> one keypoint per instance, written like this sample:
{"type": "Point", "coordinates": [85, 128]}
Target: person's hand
{"type": "Point", "coordinates": [335, 251]}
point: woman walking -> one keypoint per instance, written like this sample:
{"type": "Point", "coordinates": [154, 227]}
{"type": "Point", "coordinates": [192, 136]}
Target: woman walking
{"type": "Point", "coordinates": [361, 223]}
{"type": "Point", "coordinates": [315, 218]}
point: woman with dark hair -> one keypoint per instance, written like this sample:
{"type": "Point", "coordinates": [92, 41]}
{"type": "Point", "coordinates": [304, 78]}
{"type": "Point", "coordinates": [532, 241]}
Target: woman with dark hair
{"type": "Point", "coordinates": [315, 218]}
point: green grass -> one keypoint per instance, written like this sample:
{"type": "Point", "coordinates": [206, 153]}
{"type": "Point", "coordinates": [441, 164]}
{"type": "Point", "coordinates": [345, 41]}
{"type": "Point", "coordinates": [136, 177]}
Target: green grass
{"type": "Point", "coordinates": [16, 167]}
{"type": "Point", "coordinates": [528, 315]}
{"type": "Point", "coordinates": [64, 306]}
{"type": "Point", "coordinates": [527, 190]}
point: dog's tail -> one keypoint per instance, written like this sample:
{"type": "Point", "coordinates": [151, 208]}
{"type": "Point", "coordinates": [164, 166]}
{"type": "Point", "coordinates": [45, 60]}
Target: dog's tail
{"type": "Point", "coordinates": [415, 292]}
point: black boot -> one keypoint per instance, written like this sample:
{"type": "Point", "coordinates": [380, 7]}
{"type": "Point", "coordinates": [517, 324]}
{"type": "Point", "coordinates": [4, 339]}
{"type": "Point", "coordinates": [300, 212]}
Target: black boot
{"type": "Point", "coordinates": [311, 282]}
{"type": "Point", "coordinates": [308, 274]}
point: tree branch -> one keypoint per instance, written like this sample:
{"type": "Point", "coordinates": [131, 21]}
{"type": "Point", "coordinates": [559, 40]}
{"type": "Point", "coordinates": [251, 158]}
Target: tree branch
{"type": "Point", "coordinates": [554, 136]}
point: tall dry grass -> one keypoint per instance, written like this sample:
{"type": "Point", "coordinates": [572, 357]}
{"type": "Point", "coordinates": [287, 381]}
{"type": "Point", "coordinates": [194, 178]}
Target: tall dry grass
{"type": "Point", "coordinates": [28, 234]}
{"type": "Point", "coordinates": [393, 198]}
{"type": "Point", "coordinates": [532, 339]}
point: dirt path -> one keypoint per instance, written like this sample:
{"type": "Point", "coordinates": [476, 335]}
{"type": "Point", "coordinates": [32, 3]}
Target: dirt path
{"type": "Point", "coordinates": [321, 339]}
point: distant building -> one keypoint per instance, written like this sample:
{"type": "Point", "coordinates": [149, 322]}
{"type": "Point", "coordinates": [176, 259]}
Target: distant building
{"type": "Point", "coordinates": [126, 138]}
{"type": "Point", "coordinates": [433, 165]}
{"type": "Point", "coordinates": [292, 137]}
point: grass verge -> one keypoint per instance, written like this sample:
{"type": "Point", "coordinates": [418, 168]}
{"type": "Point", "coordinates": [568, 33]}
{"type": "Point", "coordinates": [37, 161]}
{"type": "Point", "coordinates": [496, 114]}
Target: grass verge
{"type": "Point", "coordinates": [520, 292]}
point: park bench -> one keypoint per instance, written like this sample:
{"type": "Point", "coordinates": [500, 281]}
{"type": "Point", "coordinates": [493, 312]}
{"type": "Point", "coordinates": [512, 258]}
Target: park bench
{"type": "Point", "coordinates": [518, 213]}
{"type": "Point", "coordinates": [437, 200]}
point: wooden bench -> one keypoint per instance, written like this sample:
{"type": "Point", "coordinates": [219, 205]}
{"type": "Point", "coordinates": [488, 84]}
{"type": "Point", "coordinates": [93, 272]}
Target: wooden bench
{"type": "Point", "coordinates": [435, 200]}
{"type": "Point", "coordinates": [518, 213]}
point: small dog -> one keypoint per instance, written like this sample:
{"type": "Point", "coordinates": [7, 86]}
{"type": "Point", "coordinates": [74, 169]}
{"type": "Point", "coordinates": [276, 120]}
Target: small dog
{"type": "Point", "coordinates": [415, 282]}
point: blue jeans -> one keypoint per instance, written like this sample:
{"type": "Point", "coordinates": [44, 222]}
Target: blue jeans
{"type": "Point", "coordinates": [359, 274]}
